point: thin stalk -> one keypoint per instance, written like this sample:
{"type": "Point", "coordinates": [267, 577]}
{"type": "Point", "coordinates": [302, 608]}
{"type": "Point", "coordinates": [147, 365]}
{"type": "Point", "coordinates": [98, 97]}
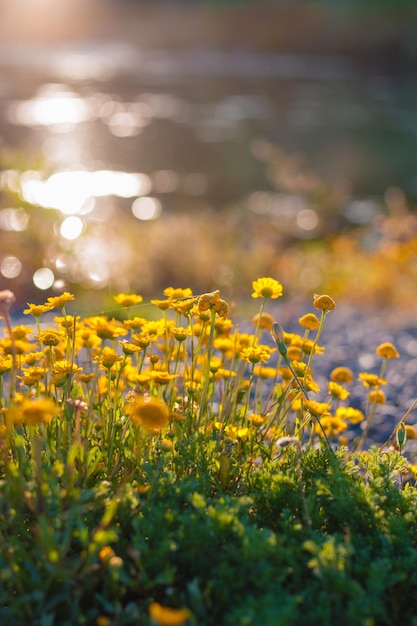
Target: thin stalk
{"type": "Point", "coordinates": [203, 401]}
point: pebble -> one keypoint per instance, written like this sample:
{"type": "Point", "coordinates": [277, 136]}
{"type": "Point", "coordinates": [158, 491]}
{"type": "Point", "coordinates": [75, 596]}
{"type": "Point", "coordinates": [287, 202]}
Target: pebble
{"type": "Point", "coordinates": [350, 337]}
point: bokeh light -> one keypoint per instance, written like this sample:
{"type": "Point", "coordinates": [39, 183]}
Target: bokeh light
{"type": "Point", "coordinates": [71, 228]}
{"type": "Point", "coordinates": [13, 219]}
{"type": "Point", "coordinates": [146, 208]}
{"type": "Point", "coordinates": [10, 267]}
{"type": "Point", "coordinates": [55, 106]}
{"type": "Point", "coordinates": [43, 278]}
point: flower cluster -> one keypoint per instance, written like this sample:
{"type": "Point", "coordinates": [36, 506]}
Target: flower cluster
{"type": "Point", "coordinates": [119, 379]}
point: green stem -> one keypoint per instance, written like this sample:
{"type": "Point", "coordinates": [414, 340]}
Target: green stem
{"type": "Point", "coordinates": [313, 347]}
{"type": "Point", "coordinates": [203, 402]}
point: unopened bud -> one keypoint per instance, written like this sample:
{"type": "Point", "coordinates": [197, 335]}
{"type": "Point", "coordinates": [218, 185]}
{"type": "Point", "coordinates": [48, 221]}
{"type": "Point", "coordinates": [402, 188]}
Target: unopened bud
{"type": "Point", "coordinates": [7, 298]}
{"type": "Point", "coordinates": [401, 435]}
{"type": "Point", "coordinates": [278, 336]}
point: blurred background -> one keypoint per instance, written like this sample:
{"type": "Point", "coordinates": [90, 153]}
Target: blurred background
{"type": "Point", "coordinates": [146, 144]}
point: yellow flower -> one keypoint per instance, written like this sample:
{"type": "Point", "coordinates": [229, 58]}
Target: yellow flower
{"type": "Point", "coordinates": [180, 333]}
{"type": "Point", "coordinates": [371, 380]}
{"type": "Point", "coordinates": [265, 320]}
{"type": "Point", "coordinates": [166, 444]}
{"type": "Point", "coordinates": [63, 370]}
{"type": "Point", "coordinates": [174, 293]}
{"type": "Point", "coordinates": [324, 303]}
{"type": "Point", "coordinates": [192, 386]}
{"type": "Point", "coordinates": [223, 327]}
{"type": "Point", "coordinates": [309, 345]}
{"type": "Point", "coordinates": [337, 391]}
{"type": "Point", "coordinates": [68, 323]}
{"type": "Point", "coordinates": [317, 409]}
{"type": "Point", "coordinates": [127, 299]}
{"type": "Point", "coordinates": [104, 328]}
{"type": "Point", "coordinates": [31, 358]}
{"type": "Point", "coordinates": [150, 413]}
{"type": "Point", "coordinates": [332, 425]}
{"type": "Point", "coordinates": [142, 340]}
{"type": "Point", "coordinates": [128, 347]}
{"type": "Point", "coordinates": [17, 346]}
{"type": "Point", "coordinates": [20, 332]}
{"type": "Point", "coordinates": [6, 364]}
{"type": "Point", "coordinates": [224, 345]}
{"type": "Point", "coordinates": [37, 309]}
{"type": "Point", "coordinates": [135, 323]}
{"type": "Point", "coordinates": [154, 328]}
{"type": "Point", "coordinates": [38, 411]}
{"type": "Point", "coordinates": [410, 432]}
{"type": "Point", "coordinates": [57, 302]}
{"type": "Point", "coordinates": [225, 374]}
{"type": "Point", "coordinates": [255, 354]}
{"type": "Point", "coordinates": [245, 341]}
{"type": "Point", "coordinates": [108, 358]}
{"type": "Point", "coordinates": [266, 288]}
{"type": "Point", "coordinates": [349, 414]}
{"type": "Point", "coordinates": [341, 374]}
{"type": "Point", "coordinates": [300, 369]}
{"type": "Point", "coordinates": [48, 337]}
{"type": "Point", "coordinates": [377, 396]}
{"type": "Point", "coordinates": [264, 372]}
{"type": "Point", "coordinates": [86, 378]}
{"type": "Point", "coordinates": [256, 420]}
{"type": "Point", "coordinates": [162, 304]}
{"type": "Point", "coordinates": [387, 350]}
{"type": "Point", "coordinates": [184, 306]}
{"type": "Point", "coordinates": [32, 375]}
{"type": "Point", "coordinates": [309, 321]}
{"type": "Point", "coordinates": [165, 616]}
{"type": "Point", "coordinates": [106, 553]}
{"type": "Point", "coordinates": [294, 353]}
{"type": "Point", "coordinates": [161, 377]}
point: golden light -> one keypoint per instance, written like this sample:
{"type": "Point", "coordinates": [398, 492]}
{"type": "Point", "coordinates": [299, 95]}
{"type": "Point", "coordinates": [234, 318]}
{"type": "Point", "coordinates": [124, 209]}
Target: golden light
{"type": "Point", "coordinates": [71, 191]}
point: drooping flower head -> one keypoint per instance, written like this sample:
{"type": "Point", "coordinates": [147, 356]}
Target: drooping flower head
{"type": "Point", "coordinates": [7, 298]}
{"type": "Point", "coordinates": [213, 301]}
{"type": "Point", "coordinates": [264, 320]}
{"type": "Point", "coordinates": [324, 302]}
{"type": "Point", "coordinates": [387, 350]}
{"type": "Point", "coordinates": [309, 321]}
{"type": "Point", "coordinates": [341, 374]}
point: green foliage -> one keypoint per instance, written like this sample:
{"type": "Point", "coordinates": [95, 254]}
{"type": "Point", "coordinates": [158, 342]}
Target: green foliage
{"type": "Point", "coordinates": [312, 537]}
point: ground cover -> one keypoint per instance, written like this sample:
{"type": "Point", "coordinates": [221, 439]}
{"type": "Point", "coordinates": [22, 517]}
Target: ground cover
{"type": "Point", "coordinates": [173, 469]}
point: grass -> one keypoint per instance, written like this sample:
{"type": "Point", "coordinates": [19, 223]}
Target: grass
{"type": "Point", "coordinates": [180, 471]}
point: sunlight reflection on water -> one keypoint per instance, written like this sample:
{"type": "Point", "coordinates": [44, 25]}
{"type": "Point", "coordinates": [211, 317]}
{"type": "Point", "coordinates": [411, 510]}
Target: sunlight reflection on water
{"type": "Point", "coordinates": [71, 192]}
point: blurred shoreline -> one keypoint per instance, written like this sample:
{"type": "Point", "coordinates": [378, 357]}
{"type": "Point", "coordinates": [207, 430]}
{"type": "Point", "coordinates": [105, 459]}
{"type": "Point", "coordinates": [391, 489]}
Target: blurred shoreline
{"type": "Point", "coordinates": [383, 35]}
